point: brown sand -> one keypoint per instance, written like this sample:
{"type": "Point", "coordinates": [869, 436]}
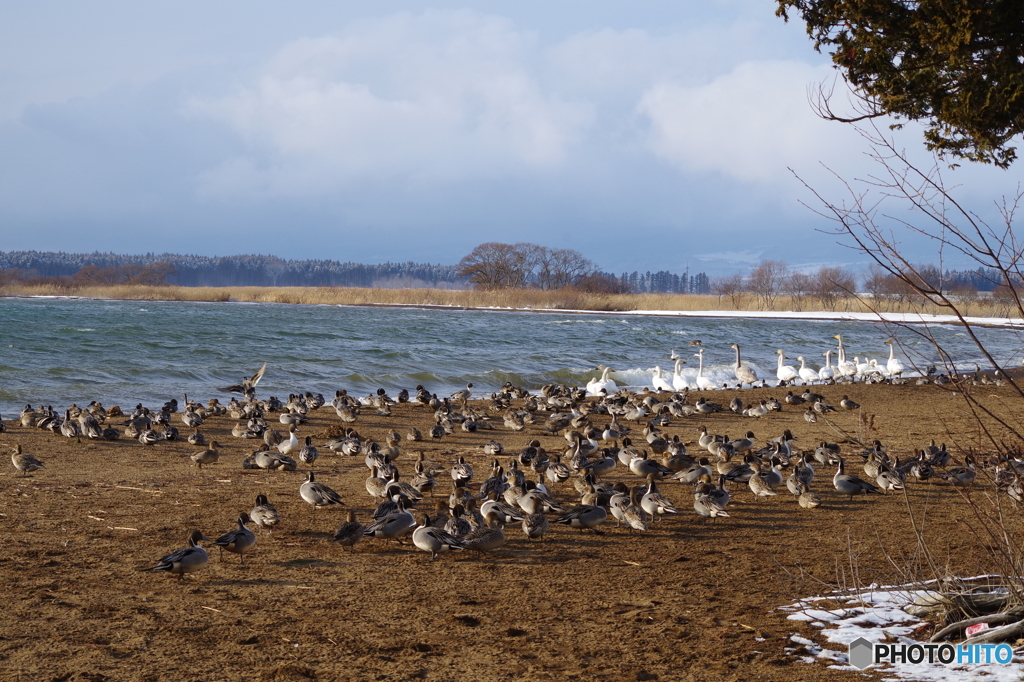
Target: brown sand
{"type": "Point", "coordinates": [685, 601]}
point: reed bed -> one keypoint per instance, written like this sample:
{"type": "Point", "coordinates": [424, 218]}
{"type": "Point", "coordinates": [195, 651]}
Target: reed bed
{"type": "Point", "coordinates": [511, 298]}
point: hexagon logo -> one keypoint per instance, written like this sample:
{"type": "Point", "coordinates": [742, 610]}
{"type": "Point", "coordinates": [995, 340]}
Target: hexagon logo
{"type": "Point", "coordinates": [861, 651]}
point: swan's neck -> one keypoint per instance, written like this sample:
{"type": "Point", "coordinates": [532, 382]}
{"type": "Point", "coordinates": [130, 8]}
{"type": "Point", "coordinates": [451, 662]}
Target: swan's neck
{"type": "Point", "coordinates": [828, 359]}
{"type": "Point", "coordinates": [737, 357]}
{"type": "Point", "coordinates": [780, 360]}
{"type": "Point", "coordinates": [803, 363]}
{"type": "Point", "coordinates": [892, 352]}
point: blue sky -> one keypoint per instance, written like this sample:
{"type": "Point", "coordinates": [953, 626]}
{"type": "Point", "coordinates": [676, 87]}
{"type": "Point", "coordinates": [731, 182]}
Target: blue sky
{"type": "Point", "coordinates": [647, 135]}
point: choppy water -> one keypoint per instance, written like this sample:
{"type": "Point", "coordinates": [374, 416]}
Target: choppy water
{"type": "Point", "coordinates": [59, 351]}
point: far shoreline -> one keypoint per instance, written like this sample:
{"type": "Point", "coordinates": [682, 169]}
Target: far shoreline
{"type": "Point", "coordinates": [878, 317]}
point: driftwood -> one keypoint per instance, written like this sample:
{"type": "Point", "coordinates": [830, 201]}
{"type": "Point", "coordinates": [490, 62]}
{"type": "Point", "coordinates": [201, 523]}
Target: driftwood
{"type": "Point", "coordinates": [942, 606]}
{"type": "Point", "coordinates": [956, 630]}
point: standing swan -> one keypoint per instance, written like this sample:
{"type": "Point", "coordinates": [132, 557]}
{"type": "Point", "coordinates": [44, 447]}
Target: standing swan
{"type": "Point", "coordinates": [893, 366]}
{"type": "Point", "coordinates": [844, 367]}
{"type": "Point", "coordinates": [679, 382]}
{"type": "Point", "coordinates": [807, 375]}
{"type": "Point", "coordinates": [785, 372]}
{"type": "Point", "coordinates": [659, 382]}
{"type": "Point", "coordinates": [703, 383]}
{"type": "Point", "coordinates": [744, 374]}
{"type": "Point", "coordinates": [595, 386]}
{"type": "Point", "coordinates": [826, 372]}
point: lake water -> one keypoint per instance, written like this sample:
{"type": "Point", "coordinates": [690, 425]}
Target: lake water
{"type": "Point", "coordinates": [59, 351]}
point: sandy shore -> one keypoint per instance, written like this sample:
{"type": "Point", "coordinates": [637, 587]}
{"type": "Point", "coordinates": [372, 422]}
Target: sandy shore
{"type": "Point", "coordinates": [684, 601]}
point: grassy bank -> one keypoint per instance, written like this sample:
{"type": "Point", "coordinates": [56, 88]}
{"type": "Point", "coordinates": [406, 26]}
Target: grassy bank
{"type": "Point", "coordinates": [513, 298]}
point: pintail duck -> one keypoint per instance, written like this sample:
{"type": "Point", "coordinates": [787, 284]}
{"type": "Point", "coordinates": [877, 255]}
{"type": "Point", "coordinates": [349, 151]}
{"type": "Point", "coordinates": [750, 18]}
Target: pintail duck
{"type": "Point", "coordinates": [208, 456]}
{"type": "Point", "coordinates": [185, 560]}
{"type": "Point", "coordinates": [643, 467]}
{"type": "Point", "coordinates": [487, 538]}
{"type": "Point", "coordinates": [757, 483]}
{"type": "Point", "coordinates": [535, 526]}
{"type": "Point", "coordinates": [239, 540]}
{"type": "Point", "coordinates": [848, 404]}
{"type": "Point", "coordinates": [291, 445]}
{"type": "Point", "coordinates": [505, 512]}
{"type": "Point", "coordinates": [705, 504]}
{"type": "Point", "coordinates": [317, 494]}
{"type": "Point", "coordinates": [962, 476]}
{"type": "Point", "coordinates": [456, 525]}
{"type": "Point", "coordinates": [585, 516]}
{"type": "Point", "coordinates": [375, 485]}
{"type": "Point", "coordinates": [24, 462]}
{"type": "Point", "coordinates": [694, 472]}
{"type": "Point", "coordinates": [851, 485]}
{"type": "Point", "coordinates": [308, 452]}
{"type": "Point", "coordinates": [432, 539]}
{"type": "Point", "coordinates": [654, 503]}
{"type": "Point", "coordinates": [556, 471]}
{"type": "Point", "coordinates": [263, 514]}
{"type": "Point", "coordinates": [196, 438]}
{"type": "Point", "coordinates": [350, 532]}
{"type": "Point", "coordinates": [633, 515]}
{"type": "Point", "coordinates": [537, 501]}
{"type": "Point", "coordinates": [461, 471]}
{"type": "Point", "coordinates": [247, 385]}
{"type": "Point", "coordinates": [805, 498]}
{"type": "Point", "coordinates": [422, 480]}
{"type": "Point", "coordinates": [394, 525]}
{"type": "Point", "coordinates": [88, 425]}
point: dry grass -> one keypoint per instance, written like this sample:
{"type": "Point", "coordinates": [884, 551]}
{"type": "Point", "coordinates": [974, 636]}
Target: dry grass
{"type": "Point", "coordinates": [513, 298]}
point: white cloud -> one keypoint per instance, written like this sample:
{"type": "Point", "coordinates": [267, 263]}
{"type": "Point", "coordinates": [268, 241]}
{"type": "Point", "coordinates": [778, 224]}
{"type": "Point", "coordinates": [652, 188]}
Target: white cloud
{"type": "Point", "coordinates": [421, 97]}
{"type": "Point", "coordinates": [750, 124]}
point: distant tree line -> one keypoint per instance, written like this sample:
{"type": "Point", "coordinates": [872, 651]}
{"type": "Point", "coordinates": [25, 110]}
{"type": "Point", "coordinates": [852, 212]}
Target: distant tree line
{"type": "Point", "coordinates": [490, 265]}
{"type": "Point", "coordinates": [246, 270]}
{"type": "Point", "coordinates": [495, 265]}
{"type": "Point", "coordinates": [830, 285]}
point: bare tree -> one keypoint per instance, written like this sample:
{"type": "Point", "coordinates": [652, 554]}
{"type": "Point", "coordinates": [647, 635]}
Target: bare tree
{"type": "Point", "coordinates": [494, 265]}
{"type": "Point", "coordinates": [832, 284]}
{"type": "Point", "coordinates": [733, 287]}
{"type": "Point", "coordinates": [765, 282]}
{"type": "Point", "coordinates": [798, 287]}
{"type": "Point", "coordinates": [560, 268]}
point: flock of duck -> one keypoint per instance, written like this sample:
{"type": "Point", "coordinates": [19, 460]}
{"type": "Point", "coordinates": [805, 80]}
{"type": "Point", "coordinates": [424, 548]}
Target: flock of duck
{"type": "Point", "coordinates": [520, 486]}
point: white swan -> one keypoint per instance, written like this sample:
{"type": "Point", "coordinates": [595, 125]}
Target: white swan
{"type": "Point", "coordinates": [863, 368]}
{"type": "Point", "coordinates": [844, 367]}
{"type": "Point", "coordinates": [744, 374]}
{"type": "Point", "coordinates": [679, 382]}
{"type": "Point", "coordinates": [893, 366]}
{"type": "Point", "coordinates": [785, 373]}
{"type": "Point", "coordinates": [659, 382]}
{"type": "Point", "coordinates": [807, 375]}
{"type": "Point", "coordinates": [595, 386]}
{"type": "Point", "coordinates": [703, 383]}
{"type": "Point", "coordinates": [826, 372]}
